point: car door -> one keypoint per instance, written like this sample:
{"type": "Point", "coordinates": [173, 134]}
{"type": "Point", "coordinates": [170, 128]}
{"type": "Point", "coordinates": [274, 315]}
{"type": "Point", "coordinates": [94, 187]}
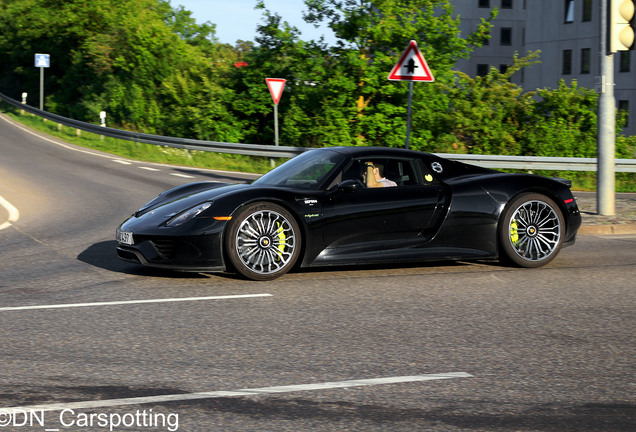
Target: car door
{"type": "Point", "coordinates": [359, 223]}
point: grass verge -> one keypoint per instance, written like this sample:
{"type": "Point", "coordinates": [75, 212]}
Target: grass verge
{"type": "Point", "coordinates": [142, 151]}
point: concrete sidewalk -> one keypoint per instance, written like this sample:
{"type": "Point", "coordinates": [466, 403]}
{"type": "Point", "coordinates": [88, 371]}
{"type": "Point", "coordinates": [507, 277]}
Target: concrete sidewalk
{"type": "Point", "coordinates": [624, 222]}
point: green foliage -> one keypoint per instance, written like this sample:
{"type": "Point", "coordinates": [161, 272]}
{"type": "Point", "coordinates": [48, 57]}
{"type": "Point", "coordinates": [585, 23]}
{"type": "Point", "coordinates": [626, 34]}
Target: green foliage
{"type": "Point", "coordinates": [150, 67]}
{"type": "Point", "coordinates": [485, 114]}
{"type": "Point", "coordinates": [563, 123]}
{"type": "Point", "coordinates": [339, 95]}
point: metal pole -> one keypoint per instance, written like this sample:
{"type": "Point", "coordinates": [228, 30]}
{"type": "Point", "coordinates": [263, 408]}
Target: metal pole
{"type": "Point", "coordinates": [276, 124]}
{"type": "Point", "coordinates": [272, 163]}
{"type": "Point", "coordinates": [408, 116]}
{"type": "Point", "coordinates": [42, 88]}
{"type": "Point", "coordinates": [606, 139]}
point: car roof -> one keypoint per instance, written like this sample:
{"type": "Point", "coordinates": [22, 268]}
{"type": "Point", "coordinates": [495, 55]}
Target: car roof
{"type": "Point", "coordinates": [373, 151]}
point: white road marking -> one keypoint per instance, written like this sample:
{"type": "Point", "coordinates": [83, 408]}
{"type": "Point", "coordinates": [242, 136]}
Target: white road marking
{"type": "Point", "coordinates": [29, 131]}
{"type": "Point", "coordinates": [236, 393]}
{"type": "Point", "coordinates": [181, 175]}
{"type": "Point", "coordinates": [129, 302]}
{"type": "Point", "coordinates": [148, 168]}
{"type": "Point", "coordinates": [14, 214]}
{"type": "Point", "coordinates": [123, 162]}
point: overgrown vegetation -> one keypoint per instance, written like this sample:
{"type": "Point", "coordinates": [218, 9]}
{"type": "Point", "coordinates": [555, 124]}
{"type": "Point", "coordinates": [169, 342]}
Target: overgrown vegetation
{"type": "Point", "coordinates": [154, 69]}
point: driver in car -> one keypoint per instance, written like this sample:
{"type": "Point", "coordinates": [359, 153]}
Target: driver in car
{"type": "Point", "coordinates": [374, 176]}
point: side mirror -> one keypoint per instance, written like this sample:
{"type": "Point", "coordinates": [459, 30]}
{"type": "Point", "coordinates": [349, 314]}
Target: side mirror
{"type": "Point", "coordinates": [349, 186]}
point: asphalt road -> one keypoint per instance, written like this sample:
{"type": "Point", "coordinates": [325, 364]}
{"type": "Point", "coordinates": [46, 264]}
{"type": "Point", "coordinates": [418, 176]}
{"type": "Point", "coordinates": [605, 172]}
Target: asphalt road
{"type": "Point", "coordinates": [457, 346]}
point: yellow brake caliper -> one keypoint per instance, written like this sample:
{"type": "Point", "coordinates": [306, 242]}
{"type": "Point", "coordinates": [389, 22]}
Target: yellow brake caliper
{"type": "Point", "coordinates": [281, 240]}
{"type": "Point", "coordinates": [514, 235]}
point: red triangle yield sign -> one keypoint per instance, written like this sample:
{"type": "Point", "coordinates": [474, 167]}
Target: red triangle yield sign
{"type": "Point", "coordinates": [411, 66]}
{"type": "Point", "coordinates": [275, 86]}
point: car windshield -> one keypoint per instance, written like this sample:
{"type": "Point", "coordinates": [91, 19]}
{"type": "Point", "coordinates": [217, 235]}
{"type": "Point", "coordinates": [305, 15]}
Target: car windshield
{"type": "Point", "coordinates": [306, 171]}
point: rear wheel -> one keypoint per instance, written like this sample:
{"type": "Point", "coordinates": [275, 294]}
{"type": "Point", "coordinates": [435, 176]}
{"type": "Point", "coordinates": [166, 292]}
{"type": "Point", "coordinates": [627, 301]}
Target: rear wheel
{"type": "Point", "coordinates": [532, 229]}
{"type": "Point", "coordinates": [263, 241]}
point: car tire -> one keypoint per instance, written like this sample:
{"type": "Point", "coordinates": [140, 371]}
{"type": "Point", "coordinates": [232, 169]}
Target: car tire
{"type": "Point", "coordinates": [531, 230]}
{"type": "Point", "coordinates": [263, 241]}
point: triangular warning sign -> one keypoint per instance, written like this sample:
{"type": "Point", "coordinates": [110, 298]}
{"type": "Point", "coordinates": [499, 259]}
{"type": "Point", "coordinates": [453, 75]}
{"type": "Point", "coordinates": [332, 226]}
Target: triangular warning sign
{"type": "Point", "coordinates": [275, 86]}
{"type": "Point", "coordinates": [411, 66]}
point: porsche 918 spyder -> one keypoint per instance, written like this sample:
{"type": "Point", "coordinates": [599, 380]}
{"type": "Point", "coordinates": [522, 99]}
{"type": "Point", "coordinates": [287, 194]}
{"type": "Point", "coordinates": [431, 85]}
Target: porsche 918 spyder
{"type": "Point", "coordinates": [317, 209]}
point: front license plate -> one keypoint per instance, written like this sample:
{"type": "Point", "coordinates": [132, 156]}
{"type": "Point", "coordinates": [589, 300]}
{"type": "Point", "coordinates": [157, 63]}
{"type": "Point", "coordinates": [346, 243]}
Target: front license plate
{"type": "Point", "coordinates": [125, 237]}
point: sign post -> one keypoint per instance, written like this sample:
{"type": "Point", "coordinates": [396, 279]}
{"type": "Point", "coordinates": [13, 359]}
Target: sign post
{"type": "Point", "coordinates": [42, 61]}
{"type": "Point", "coordinates": [411, 67]}
{"type": "Point", "coordinates": [276, 86]}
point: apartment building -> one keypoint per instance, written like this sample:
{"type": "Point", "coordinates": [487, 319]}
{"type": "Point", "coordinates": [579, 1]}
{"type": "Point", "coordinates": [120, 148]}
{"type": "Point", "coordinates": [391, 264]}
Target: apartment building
{"type": "Point", "coordinates": [566, 32]}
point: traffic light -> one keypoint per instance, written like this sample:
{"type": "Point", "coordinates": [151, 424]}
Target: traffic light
{"type": "Point", "coordinates": [621, 25]}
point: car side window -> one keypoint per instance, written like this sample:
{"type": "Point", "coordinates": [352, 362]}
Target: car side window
{"type": "Point", "coordinates": [403, 171]}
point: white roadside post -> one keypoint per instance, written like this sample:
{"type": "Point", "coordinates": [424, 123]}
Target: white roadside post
{"type": "Point", "coordinates": [24, 101]}
{"type": "Point", "coordinates": [102, 118]}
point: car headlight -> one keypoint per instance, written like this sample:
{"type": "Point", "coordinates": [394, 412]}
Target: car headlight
{"type": "Point", "coordinates": [185, 216]}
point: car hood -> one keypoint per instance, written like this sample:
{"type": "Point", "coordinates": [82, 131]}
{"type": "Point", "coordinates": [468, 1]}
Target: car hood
{"type": "Point", "coordinates": [174, 201]}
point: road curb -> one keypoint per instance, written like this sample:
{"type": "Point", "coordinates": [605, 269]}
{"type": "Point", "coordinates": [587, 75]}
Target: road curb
{"type": "Point", "coordinates": [613, 229]}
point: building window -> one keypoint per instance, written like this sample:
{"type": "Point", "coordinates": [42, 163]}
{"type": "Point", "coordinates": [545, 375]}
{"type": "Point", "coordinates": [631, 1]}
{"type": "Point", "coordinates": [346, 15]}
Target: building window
{"type": "Point", "coordinates": [569, 11]}
{"type": "Point", "coordinates": [623, 111]}
{"type": "Point", "coordinates": [587, 10]}
{"type": "Point", "coordinates": [624, 61]}
{"type": "Point", "coordinates": [506, 4]}
{"type": "Point", "coordinates": [482, 69]}
{"type": "Point", "coordinates": [567, 62]}
{"type": "Point", "coordinates": [506, 36]}
{"type": "Point", "coordinates": [503, 68]}
{"type": "Point", "coordinates": [586, 60]}
{"type": "Point", "coordinates": [484, 3]}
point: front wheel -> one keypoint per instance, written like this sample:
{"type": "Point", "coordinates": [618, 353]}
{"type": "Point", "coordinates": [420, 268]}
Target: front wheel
{"type": "Point", "coordinates": [531, 231]}
{"type": "Point", "coordinates": [263, 241]}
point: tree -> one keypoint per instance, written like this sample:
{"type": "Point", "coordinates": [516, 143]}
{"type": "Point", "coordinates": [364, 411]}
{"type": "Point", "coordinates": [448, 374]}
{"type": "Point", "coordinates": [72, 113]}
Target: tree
{"type": "Point", "coordinates": [152, 68]}
{"type": "Point", "coordinates": [486, 114]}
{"type": "Point", "coordinates": [341, 95]}
{"type": "Point", "coordinates": [562, 122]}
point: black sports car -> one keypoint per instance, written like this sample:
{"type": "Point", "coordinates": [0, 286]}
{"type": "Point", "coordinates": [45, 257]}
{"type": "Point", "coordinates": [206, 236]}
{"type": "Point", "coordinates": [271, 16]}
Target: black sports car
{"type": "Point", "coordinates": [316, 210]}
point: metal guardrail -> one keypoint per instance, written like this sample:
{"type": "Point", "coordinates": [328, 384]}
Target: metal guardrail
{"type": "Point", "coordinates": [271, 151]}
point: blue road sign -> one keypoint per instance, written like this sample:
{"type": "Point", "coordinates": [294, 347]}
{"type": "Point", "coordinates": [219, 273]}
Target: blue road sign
{"type": "Point", "coordinates": [42, 60]}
